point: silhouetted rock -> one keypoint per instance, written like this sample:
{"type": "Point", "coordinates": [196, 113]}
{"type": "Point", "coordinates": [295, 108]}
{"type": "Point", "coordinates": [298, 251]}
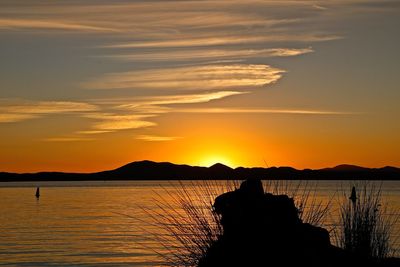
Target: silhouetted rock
{"type": "Point", "coordinates": [262, 229]}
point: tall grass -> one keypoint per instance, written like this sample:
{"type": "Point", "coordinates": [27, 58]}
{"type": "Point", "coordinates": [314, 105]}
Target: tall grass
{"type": "Point", "coordinates": [311, 209]}
{"type": "Point", "coordinates": [364, 228]}
{"type": "Point", "coordinates": [188, 226]}
{"type": "Point", "coordinates": [187, 223]}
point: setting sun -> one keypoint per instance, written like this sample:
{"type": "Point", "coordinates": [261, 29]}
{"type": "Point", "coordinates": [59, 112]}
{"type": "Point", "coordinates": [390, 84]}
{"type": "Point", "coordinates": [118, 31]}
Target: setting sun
{"type": "Point", "coordinates": [213, 159]}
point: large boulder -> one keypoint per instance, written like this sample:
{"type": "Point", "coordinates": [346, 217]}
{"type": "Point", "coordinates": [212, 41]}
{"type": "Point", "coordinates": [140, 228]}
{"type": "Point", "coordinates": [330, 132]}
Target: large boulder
{"type": "Point", "coordinates": [262, 229]}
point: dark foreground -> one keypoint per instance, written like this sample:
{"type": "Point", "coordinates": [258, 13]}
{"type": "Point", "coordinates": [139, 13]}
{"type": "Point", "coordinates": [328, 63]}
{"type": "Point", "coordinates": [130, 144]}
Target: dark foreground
{"type": "Point", "coordinates": [261, 229]}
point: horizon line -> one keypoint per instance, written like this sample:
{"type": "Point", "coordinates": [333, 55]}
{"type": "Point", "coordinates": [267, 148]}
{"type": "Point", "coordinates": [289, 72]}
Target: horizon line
{"type": "Point", "coordinates": [202, 166]}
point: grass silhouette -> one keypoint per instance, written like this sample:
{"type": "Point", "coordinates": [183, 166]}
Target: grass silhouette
{"type": "Point", "coordinates": [188, 226]}
{"type": "Point", "coordinates": [187, 223]}
{"type": "Point", "coordinates": [365, 228]}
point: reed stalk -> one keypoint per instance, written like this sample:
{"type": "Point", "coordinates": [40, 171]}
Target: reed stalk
{"type": "Point", "coordinates": [365, 227]}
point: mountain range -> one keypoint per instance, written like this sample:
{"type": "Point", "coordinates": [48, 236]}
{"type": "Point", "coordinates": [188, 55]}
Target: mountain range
{"type": "Point", "coordinates": [149, 170]}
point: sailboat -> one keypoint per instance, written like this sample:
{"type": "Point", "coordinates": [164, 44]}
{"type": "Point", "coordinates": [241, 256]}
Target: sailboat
{"type": "Point", "coordinates": [37, 192]}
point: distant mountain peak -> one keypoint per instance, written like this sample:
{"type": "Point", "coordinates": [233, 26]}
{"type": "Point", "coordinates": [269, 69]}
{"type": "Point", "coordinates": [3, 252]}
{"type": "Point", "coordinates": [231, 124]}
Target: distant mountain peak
{"type": "Point", "coordinates": [347, 167]}
{"type": "Point", "coordinates": [219, 166]}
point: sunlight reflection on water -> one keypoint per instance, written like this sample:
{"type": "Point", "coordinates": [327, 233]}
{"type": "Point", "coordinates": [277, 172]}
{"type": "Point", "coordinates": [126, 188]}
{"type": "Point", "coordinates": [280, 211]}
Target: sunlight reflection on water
{"type": "Point", "coordinates": [85, 223]}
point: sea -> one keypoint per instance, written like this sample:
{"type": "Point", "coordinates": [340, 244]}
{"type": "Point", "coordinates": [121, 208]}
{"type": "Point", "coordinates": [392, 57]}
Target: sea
{"type": "Point", "coordinates": [119, 223]}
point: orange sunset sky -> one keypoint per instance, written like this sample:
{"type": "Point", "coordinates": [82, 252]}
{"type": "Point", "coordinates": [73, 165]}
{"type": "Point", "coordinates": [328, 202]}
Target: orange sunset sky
{"type": "Point", "coordinates": [92, 85]}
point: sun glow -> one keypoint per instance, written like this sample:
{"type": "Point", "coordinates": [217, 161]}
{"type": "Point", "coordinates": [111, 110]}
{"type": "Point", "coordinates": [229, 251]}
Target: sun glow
{"type": "Point", "coordinates": [213, 159]}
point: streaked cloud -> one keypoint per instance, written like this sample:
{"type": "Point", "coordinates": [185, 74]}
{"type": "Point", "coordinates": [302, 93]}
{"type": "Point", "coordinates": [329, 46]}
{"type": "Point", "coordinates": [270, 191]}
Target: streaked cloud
{"type": "Point", "coordinates": [67, 139]}
{"type": "Point", "coordinates": [92, 132]}
{"type": "Point", "coordinates": [20, 110]}
{"type": "Point", "coordinates": [156, 138]}
{"type": "Point", "coordinates": [205, 47]}
{"type": "Point", "coordinates": [191, 78]}
{"type": "Point", "coordinates": [179, 99]}
{"type": "Point", "coordinates": [263, 110]}
{"type": "Point", "coordinates": [319, 7]}
{"type": "Point", "coordinates": [157, 104]}
{"type": "Point", "coordinates": [156, 99]}
{"type": "Point", "coordinates": [191, 42]}
{"type": "Point", "coordinates": [17, 24]}
{"type": "Point", "coordinates": [226, 40]}
{"type": "Point", "coordinates": [45, 107]}
{"type": "Point", "coordinates": [122, 124]}
{"type": "Point", "coordinates": [114, 122]}
{"type": "Point", "coordinates": [208, 54]}
{"type": "Point", "coordinates": [11, 117]}
{"type": "Point", "coordinates": [289, 52]}
{"type": "Point", "coordinates": [144, 109]}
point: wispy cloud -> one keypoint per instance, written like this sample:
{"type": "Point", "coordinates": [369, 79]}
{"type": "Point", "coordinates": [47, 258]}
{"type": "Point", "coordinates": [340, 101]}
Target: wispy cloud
{"type": "Point", "coordinates": [19, 110]}
{"type": "Point", "coordinates": [191, 78]}
{"type": "Point", "coordinates": [319, 7]}
{"type": "Point", "coordinates": [225, 40]}
{"type": "Point", "coordinates": [179, 99]}
{"type": "Point", "coordinates": [93, 132]}
{"type": "Point", "coordinates": [145, 108]}
{"type": "Point", "coordinates": [141, 110]}
{"type": "Point", "coordinates": [172, 23]}
{"type": "Point", "coordinates": [148, 108]}
{"type": "Point", "coordinates": [263, 110]}
{"type": "Point", "coordinates": [114, 122]}
{"type": "Point", "coordinates": [67, 139]}
{"type": "Point", "coordinates": [209, 54]}
{"type": "Point", "coordinates": [156, 138]}
{"type": "Point", "coordinates": [160, 35]}
{"type": "Point", "coordinates": [162, 104]}
{"type": "Point", "coordinates": [122, 124]}
{"type": "Point", "coordinates": [289, 52]}
{"type": "Point", "coordinates": [45, 107]}
{"type": "Point", "coordinates": [50, 25]}
{"type": "Point", "coordinates": [10, 117]}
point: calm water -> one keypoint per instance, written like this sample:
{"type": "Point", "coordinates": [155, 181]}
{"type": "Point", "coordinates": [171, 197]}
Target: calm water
{"type": "Point", "coordinates": [101, 223]}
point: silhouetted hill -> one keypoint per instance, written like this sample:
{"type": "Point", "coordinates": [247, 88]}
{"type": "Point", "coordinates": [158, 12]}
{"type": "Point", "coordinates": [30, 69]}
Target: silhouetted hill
{"type": "Point", "coordinates": [347, 167]}
{"type": "Point", "coordinates": [221, 170]}
{"type": "Point", "coordinates": [149, 170]}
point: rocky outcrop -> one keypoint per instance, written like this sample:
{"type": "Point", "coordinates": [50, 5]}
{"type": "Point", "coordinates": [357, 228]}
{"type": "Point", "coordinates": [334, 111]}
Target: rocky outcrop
{"type": "Point", "coordinates": [261, 229]}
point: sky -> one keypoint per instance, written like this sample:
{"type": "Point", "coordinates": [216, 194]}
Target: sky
{"type": "Point", "coordinates": [92, 85]}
